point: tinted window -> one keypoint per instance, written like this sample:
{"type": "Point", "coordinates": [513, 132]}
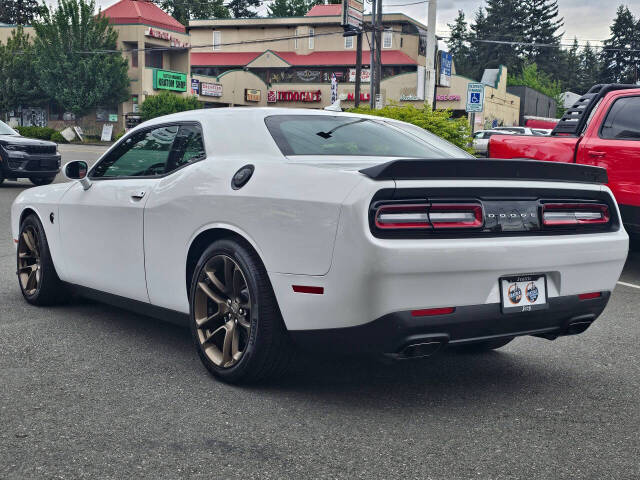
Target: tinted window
{"type": "Point", "coordinates": [188, 147]}
{"type": "Point", "coordinates": [6, 129]}
{"type": "Point", "coordinates": [622, 120]}
{"type": "Point", "coordinates": [347, 136]}
{"type": "Point", "coordinates": [141, 155]}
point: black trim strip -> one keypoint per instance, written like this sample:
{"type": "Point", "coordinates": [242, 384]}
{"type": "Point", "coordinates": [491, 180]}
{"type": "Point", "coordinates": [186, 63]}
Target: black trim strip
{"type": "Point", "coordinates": [490, 169]}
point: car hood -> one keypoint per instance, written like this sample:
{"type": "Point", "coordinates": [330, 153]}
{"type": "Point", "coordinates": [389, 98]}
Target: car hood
{"type": "Point", "coordinates": [19, 140]}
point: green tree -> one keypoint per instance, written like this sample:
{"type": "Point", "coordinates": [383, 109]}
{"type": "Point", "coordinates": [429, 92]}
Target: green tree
{"type": "Point", "coordinates": [19, 12]}
{"type": "Point", "coordinates": [77, 62]}
{"type": "Point", "coordinates": [243, 8]}
{"type": "Point", "coordinates": [19, 85]}
{"type": "Point", "coordinates": [619, 60]}
{"type": "Point", "coordinates": [165, 103]}
{"type": "Point", "coordinates": [458, 44]}
{"type": "Point", "coordinates": [531, 77]}
{"type": "Point", "coordinates": [589, 69]}
{"type": "Point", "coordinates": [185, 10]}
{"type": "Point", "coordinates": [541, 26]}
{"type": "Point", "coordinates": [571, 67]}
{"type": "Point", "coordinates": [291, 8]}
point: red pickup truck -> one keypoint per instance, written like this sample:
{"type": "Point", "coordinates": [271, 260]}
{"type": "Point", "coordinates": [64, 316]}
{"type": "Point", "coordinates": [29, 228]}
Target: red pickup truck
{"type": "Point", "coordinates": [601, 129]}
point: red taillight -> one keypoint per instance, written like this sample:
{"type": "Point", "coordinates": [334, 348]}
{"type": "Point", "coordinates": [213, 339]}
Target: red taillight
{"type": "Point", "coordinates": [424, 216]}
{"type": "Point", "coordinates": [429, 312]}
{"type": "Point", "coordinates": [563, 214]}
{"type": "Point", "coordinates": [589, 296]}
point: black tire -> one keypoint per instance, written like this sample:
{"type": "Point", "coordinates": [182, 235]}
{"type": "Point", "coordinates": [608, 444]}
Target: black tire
{"type": "Point", "coordinates": [49, 290]}
{"type": "Point", "coordinates": [485, 346]}
{"type": "Point", "coordinates": [41, 180]}
{"type": "Point", "coordinates": [267, 350]}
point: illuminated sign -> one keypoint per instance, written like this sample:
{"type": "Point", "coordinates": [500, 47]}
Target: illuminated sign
{"type": "Point", "coordinates": [214, 90]}
{"type": "Point", "coordinates": [274, 96]}
{"type": "Point", "coordinates": [162, 35]}
{"type": "Point", "coordinates": [448, 98]}
{"type": "Point", "coordinates": [251, 95]}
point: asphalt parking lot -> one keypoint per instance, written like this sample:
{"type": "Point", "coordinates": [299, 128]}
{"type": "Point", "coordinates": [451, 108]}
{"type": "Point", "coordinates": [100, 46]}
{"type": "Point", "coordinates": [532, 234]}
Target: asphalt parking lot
{"type": "Point", "coordinates": [91, 391]}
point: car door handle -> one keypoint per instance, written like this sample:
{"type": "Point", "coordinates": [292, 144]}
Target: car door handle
{"type": "Point", "coordinates": [597, 154]}
{"type": "Point", "coordinates": [139, 195]}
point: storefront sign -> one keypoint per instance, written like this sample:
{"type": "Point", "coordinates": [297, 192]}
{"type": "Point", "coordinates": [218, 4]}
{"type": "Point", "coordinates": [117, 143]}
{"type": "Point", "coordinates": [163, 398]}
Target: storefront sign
{"type": "Point", "coordinates": [309, 75]}
{"type": "Point", "coordinates": [365, 75]}
{"type": "Point", "coordinates": [213, 90]}
{"type": "Point", "coordinates": [274, 96]}
{"type": "Point", "coordinates": [195, 86]}
{"type": "Point", "coordinates": [251, 95]}
{"type": "Point", "coordinates": [352, 14]}
{"type": "Point", "coordinates": [113, 117]}
{"type": "Point", "coordinates": [446, 59]}
{"type": "Point", "coordinates": [162, 35]}
{"type": "Point", "coordinates": [410, 98]}
{"type": "Point", "coordinates": [351, 96]}
{"type": "Point", "coordinates": [448, 98]}
{"type": "Point", "coordinates": [165, 80]}
{"type": "Point", "coordinates": [107, 132]}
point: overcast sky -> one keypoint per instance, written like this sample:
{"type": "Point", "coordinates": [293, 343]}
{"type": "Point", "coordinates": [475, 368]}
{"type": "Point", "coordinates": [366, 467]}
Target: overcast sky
{"type": "Point", "coordinates": [585, 19]}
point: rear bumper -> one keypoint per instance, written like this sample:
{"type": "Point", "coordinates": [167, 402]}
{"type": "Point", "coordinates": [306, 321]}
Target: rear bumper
{"type": "Point", "coordinates": [395, 332]}
{"type": "Point", "coordinates": [25, 165]}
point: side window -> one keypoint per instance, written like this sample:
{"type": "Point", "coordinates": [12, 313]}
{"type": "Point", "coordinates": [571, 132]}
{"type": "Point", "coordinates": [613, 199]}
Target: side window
{"type": "Point", "coordinates": [143, 154]}
{"type": "Point", "coordinates": [187, 148]}
{"type": "Point", "coordinates": [622, 120]}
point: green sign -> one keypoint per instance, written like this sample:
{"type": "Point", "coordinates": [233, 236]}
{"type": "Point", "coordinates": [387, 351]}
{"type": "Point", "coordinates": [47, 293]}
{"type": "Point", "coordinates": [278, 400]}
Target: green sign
{"type": "Point", "coordinates": [164, 80]}
{"type": "Point", "coordinates": [113, 117]}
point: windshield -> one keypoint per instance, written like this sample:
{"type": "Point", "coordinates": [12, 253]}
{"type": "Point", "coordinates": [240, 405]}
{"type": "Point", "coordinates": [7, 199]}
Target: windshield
{"type": "Point", "coordinates": [6, 129]}
{"type": "Point", "coordinates": [355, 136]}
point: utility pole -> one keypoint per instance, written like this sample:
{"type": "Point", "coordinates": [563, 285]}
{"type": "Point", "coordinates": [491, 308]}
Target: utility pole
{"type": "Point", "coordinates": [358, 67]}
{"type": "Point", "coordinates": [379, 28]}
{"type": "Point", "coordinates": [432, 47]}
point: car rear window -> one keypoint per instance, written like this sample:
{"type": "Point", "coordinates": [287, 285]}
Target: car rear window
{"type": "Point", "coordinates": [352, 136]}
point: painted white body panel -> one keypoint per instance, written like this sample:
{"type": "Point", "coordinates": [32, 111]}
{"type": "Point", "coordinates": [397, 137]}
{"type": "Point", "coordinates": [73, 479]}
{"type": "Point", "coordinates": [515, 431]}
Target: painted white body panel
{"type": "Point", "coordinates": [308, 221]}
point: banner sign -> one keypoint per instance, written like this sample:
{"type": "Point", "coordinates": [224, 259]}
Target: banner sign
{"type": "Point", "coordinates": [352, 14]}
{"type": "Point", "coordinates": [211, 89]}
{"type": "Point", "coordinates": [165, 80]}
{"type": "Point", "coordinates": [446, 60]}
{"type": "Point", "coordinates": [195, 86]}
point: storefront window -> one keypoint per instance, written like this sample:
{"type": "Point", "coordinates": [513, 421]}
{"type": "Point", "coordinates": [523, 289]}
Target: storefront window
{"type": "Point", "coordinates": [152, 58]}
{"type": "Point", "coordinates": [132, 49]}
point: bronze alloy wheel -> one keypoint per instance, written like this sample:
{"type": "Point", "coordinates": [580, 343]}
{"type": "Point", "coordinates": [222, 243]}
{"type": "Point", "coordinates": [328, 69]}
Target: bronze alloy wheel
{"type": "Point", "coordinates": [29, 264]}
{"type": "Point", "coordinates": [222, 308]}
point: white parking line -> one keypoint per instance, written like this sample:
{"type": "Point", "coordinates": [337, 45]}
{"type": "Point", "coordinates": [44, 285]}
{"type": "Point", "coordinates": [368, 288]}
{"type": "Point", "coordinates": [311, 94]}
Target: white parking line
{"type": "Point", "coordinates": [629, 285]}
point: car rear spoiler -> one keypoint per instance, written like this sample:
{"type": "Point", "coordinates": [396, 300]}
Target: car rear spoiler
{"type": "Point", "coordinates": [486, 169]}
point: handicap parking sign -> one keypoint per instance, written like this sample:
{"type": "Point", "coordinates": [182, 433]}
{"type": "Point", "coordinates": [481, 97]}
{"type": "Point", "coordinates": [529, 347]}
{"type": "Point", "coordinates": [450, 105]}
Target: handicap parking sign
{"type": "Point", "coordinates": [475, 97]}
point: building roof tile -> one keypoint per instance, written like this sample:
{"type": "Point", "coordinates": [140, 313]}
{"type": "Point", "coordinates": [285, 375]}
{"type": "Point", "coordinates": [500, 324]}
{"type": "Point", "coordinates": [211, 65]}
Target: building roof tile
{"type": "Point", "coordinates": [141, 12]}
{"type": "Point", "coordinates": [325, 10]}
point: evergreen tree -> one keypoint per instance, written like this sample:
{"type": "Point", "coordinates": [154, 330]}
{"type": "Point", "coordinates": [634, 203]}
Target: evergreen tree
{"type": "Point", "coordinates": [619, 62]}
{"type": "Point", "coordinates": [185, 10]}
{"type": "Point", "coordinates": [291, 8]}
{"type": "Point", "coordinates": [19, 85]}
{"type": "Point", "coordinates": [541, 26]}
{"type": "Point", "coordinates": [458, 44]}
{"type": "Point", "coordinates": [589, 69]}
{"type": "Point", "coordinates": [243, 8]}
{"type": "Point", "coordinates": [19, 12]}
{"type": "Point", "coordinates": [570, 74]}
{"type": "Point", "coordinates": [75, 60]}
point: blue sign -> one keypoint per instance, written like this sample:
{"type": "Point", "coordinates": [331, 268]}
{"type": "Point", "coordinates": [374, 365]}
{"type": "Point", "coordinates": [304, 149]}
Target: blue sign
{"type": "Point", "coordinates": [446, 61]}
{"type": "Point", "coordinates": [195, 86]}
{"type": "Point", "coordinates": [475, 97]}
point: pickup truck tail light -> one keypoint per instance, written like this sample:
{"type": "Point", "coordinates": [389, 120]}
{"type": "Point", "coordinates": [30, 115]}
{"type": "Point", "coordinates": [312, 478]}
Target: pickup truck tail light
{"type": "Point", "coordinates": [567, 214]}
{"type": "Point", "coordinates": [438, 216]}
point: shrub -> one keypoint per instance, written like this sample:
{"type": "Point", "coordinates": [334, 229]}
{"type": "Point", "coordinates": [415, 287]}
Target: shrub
{"type": "Point", "coordinates": [166, 103]}
{"type": "Point", "coordinates": [42, 133]}
{"type": "Point", "coordinates": [58, 138]}
{"type": "Point", "coordinates": [119, 135]}
{"type": "Point", "coordinates": [438, 122]}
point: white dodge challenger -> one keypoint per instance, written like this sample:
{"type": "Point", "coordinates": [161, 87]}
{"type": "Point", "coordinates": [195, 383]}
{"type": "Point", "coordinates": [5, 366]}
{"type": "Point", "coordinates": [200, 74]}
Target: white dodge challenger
{"type": "Point", "coordinates": [271, 228]}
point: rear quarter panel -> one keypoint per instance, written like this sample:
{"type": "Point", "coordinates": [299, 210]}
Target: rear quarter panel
{"type": "Point", "coordinates": [553, 149]}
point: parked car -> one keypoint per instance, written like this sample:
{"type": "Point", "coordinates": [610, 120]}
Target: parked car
{"type": "Point", "coordinates": [523, 130]}
{"type": "Point", "coordinates": [20, 157]}
{"type": "Point", "coordinates": [545, 132]}
{"type": "Point", "coordinates": [325, 230]}
{"type": "Point", "coordinates": [481, 140]}
{"type": "Point", "coordinates": [601, 129]}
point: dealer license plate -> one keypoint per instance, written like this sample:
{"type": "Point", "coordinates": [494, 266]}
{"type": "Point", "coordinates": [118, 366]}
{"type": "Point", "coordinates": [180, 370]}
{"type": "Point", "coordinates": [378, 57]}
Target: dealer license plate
{"type": "Point", "coordinates": [523, 293]}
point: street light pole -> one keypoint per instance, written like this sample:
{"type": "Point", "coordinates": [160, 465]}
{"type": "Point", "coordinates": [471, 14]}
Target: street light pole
{"type": "Point", "coordinates": [372, 60]}
{"type": "Point", "coordinates": [358, 67]}
{"type": "Point", "coordinates": [432, 47]}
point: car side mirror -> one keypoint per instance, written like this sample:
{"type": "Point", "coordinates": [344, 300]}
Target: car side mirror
{"type": "Point", "coordinates": [77, 170]}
